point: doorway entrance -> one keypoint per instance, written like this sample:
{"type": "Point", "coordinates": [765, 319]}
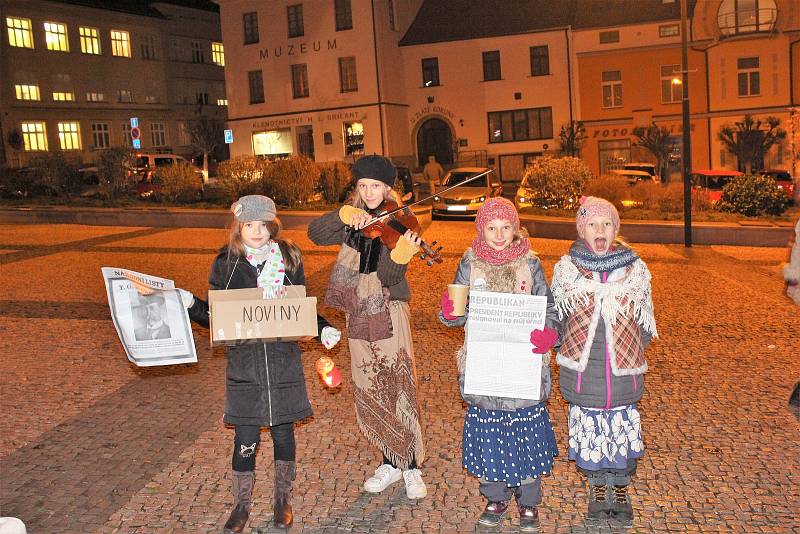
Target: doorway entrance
{"type": "Point", "coordinates": [305, 141]}
{"type": "Point", "coordinates": [434, 137]}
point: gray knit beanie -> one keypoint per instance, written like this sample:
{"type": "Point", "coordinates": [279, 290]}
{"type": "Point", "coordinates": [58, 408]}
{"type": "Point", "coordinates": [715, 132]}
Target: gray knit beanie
{"type": "Point", "coordinates": [254, 208]}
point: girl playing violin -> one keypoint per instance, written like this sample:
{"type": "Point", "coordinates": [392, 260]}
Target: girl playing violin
{"type": "Point", "coordinates": [368, 282]}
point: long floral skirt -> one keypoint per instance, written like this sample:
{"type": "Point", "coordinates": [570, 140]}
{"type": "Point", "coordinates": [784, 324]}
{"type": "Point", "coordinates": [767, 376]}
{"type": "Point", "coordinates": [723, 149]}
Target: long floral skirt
{"type": "Point", "coordinates": [604, 439]}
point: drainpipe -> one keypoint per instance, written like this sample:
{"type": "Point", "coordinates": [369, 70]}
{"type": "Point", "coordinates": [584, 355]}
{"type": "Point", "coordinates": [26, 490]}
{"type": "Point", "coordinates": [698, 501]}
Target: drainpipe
{"type": "Point", "coordinates": [569, 72]}
{"type": "Point", "coordinates": [377, 76]}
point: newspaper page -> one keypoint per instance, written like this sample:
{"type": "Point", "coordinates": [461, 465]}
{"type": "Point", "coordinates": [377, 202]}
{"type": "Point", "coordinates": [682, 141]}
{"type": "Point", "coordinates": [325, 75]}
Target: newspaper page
{"type": "Point", "coordinates": [499, 358]}
{"type": "Point", "coordinates": [154, 329]}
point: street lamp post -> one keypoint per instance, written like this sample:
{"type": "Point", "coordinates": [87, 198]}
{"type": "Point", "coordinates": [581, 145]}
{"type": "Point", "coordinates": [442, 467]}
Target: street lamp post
{"type": "Point", "coordinates": [686, 158]}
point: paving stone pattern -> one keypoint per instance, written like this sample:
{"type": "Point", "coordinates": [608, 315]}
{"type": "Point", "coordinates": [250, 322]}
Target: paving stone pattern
{"type": "Point", "coordinates": [92, 444]}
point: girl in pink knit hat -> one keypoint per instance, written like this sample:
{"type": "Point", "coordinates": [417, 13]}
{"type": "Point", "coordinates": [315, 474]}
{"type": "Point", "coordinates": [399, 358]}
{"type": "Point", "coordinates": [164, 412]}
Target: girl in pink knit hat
{"type": "Point", "coordinates": [602, 294]}
{"type": "Point", "coordinates": [507, 443]}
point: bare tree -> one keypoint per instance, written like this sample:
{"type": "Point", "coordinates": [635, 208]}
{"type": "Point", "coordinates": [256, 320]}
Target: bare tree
{"type": "Point", "coordinates": [655, 139]}
{"type": "Point", "coordinates": [751, 139]}
{"type": "Point", "coordinates": [206, 135]}
{"type": "Point", "coordinates": [572, 136]}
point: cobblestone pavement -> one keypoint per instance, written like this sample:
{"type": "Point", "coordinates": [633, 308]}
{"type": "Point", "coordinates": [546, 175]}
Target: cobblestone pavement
{"type": "Point", "coordinates": [90, 443]}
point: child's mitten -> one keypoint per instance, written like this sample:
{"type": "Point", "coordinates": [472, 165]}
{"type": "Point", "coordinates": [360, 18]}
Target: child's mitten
{"type": "Point", "coordinates": [447, 307]}
{"type": "Point", "coordinates": [543, 340]}
{"type": "Point", "coordinates": [187, 299]}
{"type": "Point", "coordinates": [330, 336]}
{"type": "Point", "coordinates": [403, 251]}
{"type": "Point", "coordinates": [346, 213]}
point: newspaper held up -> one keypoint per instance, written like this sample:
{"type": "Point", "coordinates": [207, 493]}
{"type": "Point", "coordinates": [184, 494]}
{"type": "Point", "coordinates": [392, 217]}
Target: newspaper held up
{"type": "Point", "coordinates": [154, 327]}
{"type": "Point", "coordinates": [499, 358]}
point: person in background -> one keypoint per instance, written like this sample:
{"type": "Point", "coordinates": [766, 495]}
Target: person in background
{"type": "Point", "coordinates": [433, 173]}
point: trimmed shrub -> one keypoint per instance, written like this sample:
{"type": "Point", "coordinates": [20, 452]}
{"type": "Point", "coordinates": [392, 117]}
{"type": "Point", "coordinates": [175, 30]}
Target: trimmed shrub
{"type": "Point", "coordinates": [291, 181]}
{"type": "Point", "coordinates": [334, 180]}
{"type": "Point", "coordinates": [557, 182]}
{"type": "Point", "coordinates": [177, 183]}
{"type": "Point", "coordinates": [241, 176]}
{"type": "Point", "coordinates": [55, 175]}
{"type": "Point", "coordinates": [113, 172]}
{"type": "Point", "coordinates": [753, 196]}
{"type": "Point", "coordinates": [613, 188]}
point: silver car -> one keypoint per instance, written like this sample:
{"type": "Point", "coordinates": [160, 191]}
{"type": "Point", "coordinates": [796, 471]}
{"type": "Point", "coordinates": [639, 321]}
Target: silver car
{"type": "Point", "coordinates": [467, 199]}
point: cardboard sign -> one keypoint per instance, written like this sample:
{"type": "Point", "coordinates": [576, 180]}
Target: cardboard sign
{"type": "Point", "coordinates": [241, 315]}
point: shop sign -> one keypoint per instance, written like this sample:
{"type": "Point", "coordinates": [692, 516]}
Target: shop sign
{"type": "Point", "coordinates": [428, 110]}
{"type": "Point", "coordinates": [283, 122]}
{"type": "Point", "coordinates": [626, 131]}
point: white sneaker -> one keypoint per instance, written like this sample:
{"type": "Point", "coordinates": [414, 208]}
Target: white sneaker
{"type": "Point", "coordinates": [415, 487]}
{"type": "Point", "coordinates": [384, 476]}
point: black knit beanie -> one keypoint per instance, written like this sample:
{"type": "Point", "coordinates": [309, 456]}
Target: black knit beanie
{"type": "Point", "coordinates": [375, 167]}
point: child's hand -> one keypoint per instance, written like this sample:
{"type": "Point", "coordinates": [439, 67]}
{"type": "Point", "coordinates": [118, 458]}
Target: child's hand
{"type": "Point", "coordinates": [186, 298]}
{"type": "Point", "coordinates": [350, 215]}
{"type": "Point", "coordinates": [543, 340]}
{"type": "Point", "coordinates": [447, 307]}
{"type": "Point", "coordinates": [329, 337]}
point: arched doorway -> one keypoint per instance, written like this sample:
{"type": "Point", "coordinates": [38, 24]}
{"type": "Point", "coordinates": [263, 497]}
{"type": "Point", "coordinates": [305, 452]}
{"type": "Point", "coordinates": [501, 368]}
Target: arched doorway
{"type": "Point", "coordinates": [434, 137]}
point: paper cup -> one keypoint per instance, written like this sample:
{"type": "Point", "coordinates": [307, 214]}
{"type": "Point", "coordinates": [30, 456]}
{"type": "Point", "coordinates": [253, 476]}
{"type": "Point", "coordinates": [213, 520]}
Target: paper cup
{"type": "Point", "coordinates": [458, 294]}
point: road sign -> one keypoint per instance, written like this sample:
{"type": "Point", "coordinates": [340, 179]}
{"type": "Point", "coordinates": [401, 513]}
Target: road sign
{"type": "Point", "coordinates": [137, 144]}
{"type": "Point", "coordinates": [134, 122]}
{"type": "Point", "coordinates": [228, 137]}
{"type": "Point", "coordinates": [135, 133]}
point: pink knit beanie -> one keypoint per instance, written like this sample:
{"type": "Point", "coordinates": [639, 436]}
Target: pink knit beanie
{"type": "Point", "coordinates": [595, 207]}
{"type": "Point", "coordinates": [496, 208]}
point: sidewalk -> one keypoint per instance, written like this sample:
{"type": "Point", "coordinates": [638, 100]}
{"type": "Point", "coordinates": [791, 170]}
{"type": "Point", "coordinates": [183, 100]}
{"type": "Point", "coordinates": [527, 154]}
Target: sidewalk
{"type": "Point", "coordinates": [745, 233]}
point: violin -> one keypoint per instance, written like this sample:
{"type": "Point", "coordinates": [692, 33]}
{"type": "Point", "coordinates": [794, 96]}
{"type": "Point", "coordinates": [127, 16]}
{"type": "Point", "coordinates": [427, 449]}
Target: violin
{"type": "Point", "coordinates": [392, 222]}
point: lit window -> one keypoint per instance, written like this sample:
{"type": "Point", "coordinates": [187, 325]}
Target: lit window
{"type": "Point", "coordinates": [120, 43]}
{"type": "Point", "coordinates": [299, 80]}
{"type": "Point", "coordinates": [55, 35]}
{"type": "Point", "coordinates": [101, 136]}
{"type": "Point", "coordinates": [353, 138]}
{"type": "Point", "coordinates": [158, 133]}
{"type": "Point", "coordinates": [63, 96]}
{"type": "Point", "coordinates": [34, 136]}
{"type": "Point", "coordinates": [222, 101]}
{"type": "Point", "coordinates": [612, 89]}
{"type": "Point", "coordinates": [671, 88]}
{"type": "Point", "coordinates": [218, 54]}
{"type": "Point", "coordinates": [19, 33]}
{"type": "Point", "coordinates": [198, 55]}
{"type": "Point", "coordinates": [95, 97]}
{"type": "Point", "coordinates": [69, 135]}
{"type": "Point", "coordinates": [90, 40]}
{"type": "Point", "coordinates": [27, 92]}
{"type": "Point", "coordinates": [124, 95]}
{"type": "Point", "coordinates": [746, 16]}
{"type": "Point", "coordinates": [749, 76]}
{"type": "Point", "coordinates": [151, 99]}
{"type": "Point", "coordinates": [669, 30]}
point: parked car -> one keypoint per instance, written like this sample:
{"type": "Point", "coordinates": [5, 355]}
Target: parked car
{"type": "Point", "coordinates": [649, 168]}
{"type": "Point", "coordinates": [405, 178]}
{"type": "Point", "coordinates": [633, 176]}
{"type": "Point", "coordinates": [713, 181]}
{"type": "Point", "coordinates": [783, 180]}
{"type": "Point", "coordinates": [467, 199]}
{"type": "Point", "coordinates": [145, 167]}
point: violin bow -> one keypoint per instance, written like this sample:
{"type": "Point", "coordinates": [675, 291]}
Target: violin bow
{"type": "Point", "coordinates": [401, 208]}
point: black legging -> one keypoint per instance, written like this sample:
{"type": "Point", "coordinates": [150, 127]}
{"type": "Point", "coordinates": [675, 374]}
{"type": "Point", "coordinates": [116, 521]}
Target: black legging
{"type": "Point", "coordinates": [411, 464]}
{"type": "Point", "coordinates": [247, 438]}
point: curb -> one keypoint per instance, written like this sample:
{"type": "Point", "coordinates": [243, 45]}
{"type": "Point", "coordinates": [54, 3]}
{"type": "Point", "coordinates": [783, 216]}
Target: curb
{"type": "Point", "coordinates": [750, 235]}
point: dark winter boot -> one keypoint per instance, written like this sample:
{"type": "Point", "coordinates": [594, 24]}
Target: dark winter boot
{"type": "Point", "coordinates": [599, 505]}
{"type": "Point", "coordinates": [284, 479]}
{"type": "Point", "coordinates": [621, 508]}
{"type": "Point", "coordinates": [242, 489]}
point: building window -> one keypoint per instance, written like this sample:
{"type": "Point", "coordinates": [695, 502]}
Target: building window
{"type": "Point", "coordinates": [222, 101]}
{"type": "Point", "coordinates": [27, 92]}
{"type": "Point", "coordinates": [612, 89]}
{"type": "Point", "coordinates": [430, 71]}
{"type": "Point", "coordinates": [250, 26]}
{"type": "Point", "coordinates": [101, 137]}
{"type": "Point", "coordinates": [611, 36]}
{"type": "Point", "coordinates": [746, 16]}
{"type": "Point", "coordinates": [95, 97]}
{"type": "Point", "coordinates": [148, 47]}
{"type": "Point", "coordinates": [63, 96]}
{"type": "Point", "coordinates": [120, 43]}
{"type": "Point", "coordinates": [491, 65]}
{"type": "Point", "coordinates": [20, 35]}
{"type": "Point", "coordinates": [34, 136]}
{"type": "Point", "coordinates": [671, 90]}
{"type": "Point", "coordinates": [256, 84]}
{"type": "Point", "coordinates": [201, 97]}
{"type": "Point", "coordinates": [124, 96]}
{"type": "Point", "coordinates": [344, 15]}
{"type": "Point", "coordinates": [300, 80]}
{"type": "Point", "coordinates": [198, 54]}
{"type": "Point", "coordinates": [348, 79]}
{"type": "Point", "coordinates": [392, 17]}
{"type": "Point", "coordinates": [353, 138]}
{"type": "Point", "coordinates": [69, 135]}
{"type": "Point", "coordinates": [90, 40]}
{"type": "Point", "coordinates": [183, 134]}
{"type": "Point", "coordinates": [126, 134]}
{"type": "Point", "coordinates": [151, 99]}
{"type": "Point", "coordinates": [520, 125]}
{"type": "Point", "coordinates": [540, 61]}
{"type": "Point", "coordinates": [158, 134]}
{"type": "Point", "coordinates": [294, 15]}
{"type": "Point", "coordinates": [749, 77]}
{"type": "Point", "coordinates": [669, 30]}
{"type": "Point", "coordinates": [55, 35]}
{"type": "Point", "coordinates": [218, 54]}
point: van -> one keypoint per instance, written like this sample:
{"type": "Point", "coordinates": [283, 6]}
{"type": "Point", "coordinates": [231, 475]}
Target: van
{"type": "Point", "coordinates": [145, 164]}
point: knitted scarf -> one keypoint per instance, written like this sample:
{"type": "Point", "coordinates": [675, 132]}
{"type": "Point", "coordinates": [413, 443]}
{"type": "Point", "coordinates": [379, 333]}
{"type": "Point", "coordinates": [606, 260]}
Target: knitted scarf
{"type": "Point", "coordinates": [616, 257]}
{"type": "Point", "coordinates": [273, 268]}
{"type": "Point", "coordinates": [516, 249]}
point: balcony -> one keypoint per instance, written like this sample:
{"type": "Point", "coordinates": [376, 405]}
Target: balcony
{"type": "Point", "coordinates": [745, 21]}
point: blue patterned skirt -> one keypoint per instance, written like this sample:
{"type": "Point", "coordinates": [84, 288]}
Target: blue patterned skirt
{"type": "Point", "coordinates": [604, 439]}
{"type": "Point", "coordinates": [508, 446]}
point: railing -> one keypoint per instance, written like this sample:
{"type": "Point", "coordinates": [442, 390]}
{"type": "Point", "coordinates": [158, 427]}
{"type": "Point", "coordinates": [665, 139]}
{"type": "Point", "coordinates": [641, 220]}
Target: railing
{"type": "Point", "coordinates": [471, 158]}
{"type": "Point", "coordinates": [747, 21]}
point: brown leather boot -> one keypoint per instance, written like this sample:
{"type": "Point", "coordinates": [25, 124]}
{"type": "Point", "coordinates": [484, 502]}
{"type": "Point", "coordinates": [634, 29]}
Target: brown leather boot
{"type": "Point", "coordinates": [242, 489]}
{"type": "Point", "coordinates": [284, 479]}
